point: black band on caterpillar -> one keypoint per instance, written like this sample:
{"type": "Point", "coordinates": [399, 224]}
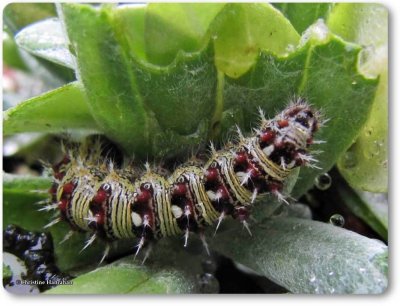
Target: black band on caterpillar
{"type": "Point", "coordinates": [127, 203]}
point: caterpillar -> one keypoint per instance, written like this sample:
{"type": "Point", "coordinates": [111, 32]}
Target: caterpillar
{"type": "Point", "coordinates": [128, 203]}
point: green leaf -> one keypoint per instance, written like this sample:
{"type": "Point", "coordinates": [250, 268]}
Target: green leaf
{"type": "Point", "coordinates": [11, 56]}
{"type": "Point", "coordinates": [149, 98]}
{"type": "Point", "coordinates": [170, 29]}
{"type": "Point", "coordinates": [363, 23]}
{"type": "Point", "coordinates": [364, 166]}
{"type": "Point", "coordinates": [242, 30]}
{"type": "Point", "coordinates": [306, 256]}
{"type": "Point", "coordinates": [125, 277]}
{"type": "Point", "coordinates": [370, 207]}
{"type": "Point", "coordinates": [239, 31]}
{"type": "Point", "coordinates": [45, 39]}
{"type": "Point", "coordinates": [18, 15]}
{"type": "Point", "coordinates": [302, 15]}
{"type": "Point", "coordinates": [318, 71]}
{"type": "Point", "coordinates": [131, 21]}
{"type": "Point", "coordinates": [137, 104]}
{"type": "Point", "coordinates": [347, 111]}
{"type": "Point", "coordinates": [59, 110]}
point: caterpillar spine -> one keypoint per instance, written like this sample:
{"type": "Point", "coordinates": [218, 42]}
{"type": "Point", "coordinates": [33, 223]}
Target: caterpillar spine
{"type": "Point", "coordinates": [113, 203]}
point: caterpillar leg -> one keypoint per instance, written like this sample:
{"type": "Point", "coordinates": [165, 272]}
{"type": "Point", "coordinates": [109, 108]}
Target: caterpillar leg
{"type": "Point", "coordinates": [220, 218]}
{"type": "Point", "coordinates": [67, 236]}
{"type": "Point", "coordinates": [203, 240]}
{"type": "Point", "coordinates": [53, 222]}
{"type": "Point", "coordinates": [89, 242]}
{"type": "Point", "coordinates": [48, 207]}
{"type": "Point", "coordinates": [246, 226]}
{"type": "Point", "coordinates": [242, 213]}
{"type": "Point", "coordinates": [139, 246]}
{"type": "Point", "coordinates": [148, 250]}
{"type": "Point", "coordinates": [105, 254]}
{"type": "Point", "coordinates": [146, 246]}
{"type": "Point", "coordinates": [280, 197]}
{"type": "Point", "coordinates": [186, 236]}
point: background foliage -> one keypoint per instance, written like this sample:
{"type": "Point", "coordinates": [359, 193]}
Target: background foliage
{"type": "Point", "coordinates": [157, 80]}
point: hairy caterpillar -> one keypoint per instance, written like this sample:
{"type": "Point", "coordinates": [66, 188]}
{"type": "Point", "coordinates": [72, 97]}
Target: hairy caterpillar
{"type": "Point", "coordinates": [93, 196]}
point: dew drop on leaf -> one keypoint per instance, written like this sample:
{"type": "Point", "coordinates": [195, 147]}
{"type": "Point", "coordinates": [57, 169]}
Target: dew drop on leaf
{"type": "Point", "coordinates": [375, 149]}
{"type": "Point", "coordinates": [349, 160]}
{"type": "Point", "coordinates": [337, 220]}
{"type": "Point", "coordinates": [368, 132]}
{"type": "Point", "coordinates": [323, 181]}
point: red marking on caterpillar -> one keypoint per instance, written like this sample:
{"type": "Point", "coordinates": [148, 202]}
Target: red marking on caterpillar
{"type": "Point", "coordinates": [131, 203]}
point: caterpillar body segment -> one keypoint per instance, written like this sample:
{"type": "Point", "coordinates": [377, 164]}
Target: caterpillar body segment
{"type": "Point", "coordinates": [147, 205]}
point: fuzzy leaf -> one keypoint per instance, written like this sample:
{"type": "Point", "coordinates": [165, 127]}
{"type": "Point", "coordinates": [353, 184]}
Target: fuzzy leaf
{"type": "Point", "coordinates": [318, 71]}
{"type": "Point", "coordinates": [126, 278]}
{"type": "Point", "coordinates": [170, 29]}
{"type": "Point", "coordinates": [307, 256]}
{"type": "Point", "coordinates": [59, 110]}
{"type": "Point", "coordinates": [18, 15]}
{"type": "Point", "coordinates": [302, 15]}
{"type": "Point", "coordinates": [364, 165]}
{"type": "Point", "coordinates": [373, 208]}
{"type": "Point", "coordinates": [137, 104]}
{"type": "Point", "coordinates": [11, 56]}
{"type": "Point", "coordinates": [45, 39]}
{"type": "Point", "coordinates": [242, 30]}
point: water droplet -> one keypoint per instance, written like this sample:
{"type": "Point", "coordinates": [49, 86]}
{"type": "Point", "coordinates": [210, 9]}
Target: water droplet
{"type": "Point", "coordinates": [374, 149]}
{"type": "Point", "coordinates": [336, 220]}
{"type": "Point", "coordinates": [349, 160]}
{"type": "Point", "coordinates": [368, 132]}
{"type": "Point", "coordinates": [296, 226]}
{"type": "Point", "coordinates": [290, 48]}
{"type": "Point", "coordinates": [313, 278]}
{"type": "Point", "coordinates": [323, 181]}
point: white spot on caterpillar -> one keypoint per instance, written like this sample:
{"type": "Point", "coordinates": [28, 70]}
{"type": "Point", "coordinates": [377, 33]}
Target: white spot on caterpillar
{"type": "Point", "coordinates": [268, 150]}
{"type": "Point", "coordinates": [244, 177]}
{"type": "Point", "coordinates": [90, 218]}
{"type": "Point", "coordinates": [240, 175]}
{"type": "Point", "coordinates": [176, 211]}
{"type": "Point", "coordinates": [136, 219]}
{"type": "Point", "coordinates": [212, 195]}
{"type": "Point", "coordinates": [291, 165]}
